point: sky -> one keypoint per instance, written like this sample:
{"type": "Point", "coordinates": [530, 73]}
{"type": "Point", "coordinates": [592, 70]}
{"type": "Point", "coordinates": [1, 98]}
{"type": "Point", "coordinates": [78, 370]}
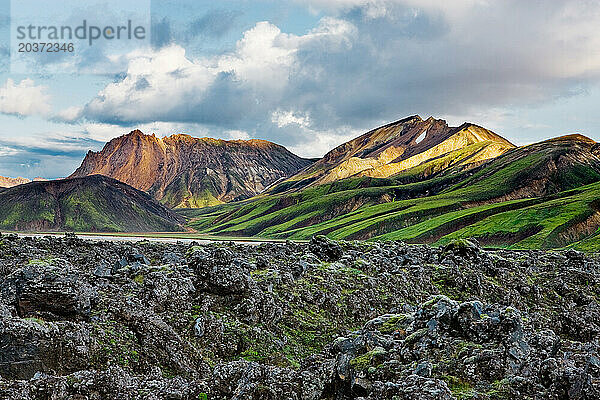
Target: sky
{"type": "Point", "coordinates": [310, 75]}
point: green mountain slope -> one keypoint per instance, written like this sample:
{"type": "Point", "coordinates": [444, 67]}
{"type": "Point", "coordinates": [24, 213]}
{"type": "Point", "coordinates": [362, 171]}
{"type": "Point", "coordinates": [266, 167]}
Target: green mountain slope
{"type": "Point", "coordinates": [94, 203]}
{"type": "Point", "coordinates": [539, 196]}
{"type": "Point", "coordinates": [399, 147]}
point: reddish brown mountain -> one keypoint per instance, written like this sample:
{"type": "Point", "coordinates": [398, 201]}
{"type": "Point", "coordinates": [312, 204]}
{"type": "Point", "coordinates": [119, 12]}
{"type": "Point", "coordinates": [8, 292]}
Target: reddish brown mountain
{"type": "Point", "coordinates": [10, 182]}
{"type": "Point", "coordinates": [183, 171]}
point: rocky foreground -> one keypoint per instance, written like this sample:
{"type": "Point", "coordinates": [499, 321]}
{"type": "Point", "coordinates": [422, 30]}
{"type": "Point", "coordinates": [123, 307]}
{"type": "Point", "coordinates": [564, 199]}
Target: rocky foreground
{"type": "Point", "coordinates": [324, 320]}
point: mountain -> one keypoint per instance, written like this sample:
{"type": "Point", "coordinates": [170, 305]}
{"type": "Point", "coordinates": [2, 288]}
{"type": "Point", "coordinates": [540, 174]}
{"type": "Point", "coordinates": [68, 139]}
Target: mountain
{"type": "Point", "coordinates": [543, 195]}
{"type": "Point", "coordinates": [11, 182]}
{"type": "Point", "coordinates": [183, 171]}
{"type": "Point", "coordinates": [400, 146]}
{"type": "Point", "coordinates": [94, 203]}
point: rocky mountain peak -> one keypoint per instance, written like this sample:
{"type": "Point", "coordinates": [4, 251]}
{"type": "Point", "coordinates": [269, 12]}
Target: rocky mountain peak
{"type": "Point", "coordinates": [185, 171]}
{"type": "Point", "coordinates": [137, 132]}
{"type": "Point", "coordinates": [401, 145]}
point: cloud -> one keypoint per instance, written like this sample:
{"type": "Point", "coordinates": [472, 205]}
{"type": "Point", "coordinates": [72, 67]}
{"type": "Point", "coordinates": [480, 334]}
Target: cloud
{"type": "Point", "coordinates": [238, 135]}
{"type": "Point", "coordinates": [49, 154]}
{"type": "Point", "coordinates": [100, 133]}
{"type": "Point", "coordinates": [52, 143]}
{"type": "Point", "coordinates": [69, 114]}
{"type": "Point", "coordinates": [31, 165]}
{"type": "Point", "coordinates": [316, 143]}
{"type": "Point", "coordinates": [6, 151]}
{"type": "Point", "coordinates": [24, 98]}
{"type": "Point", "coordinates": [284, 118]}
{"type": "Point", "coordinates": [365, 63]}
{"type": "Point", "coordinates": [172, 84]}
{"type": "Point", "coordinates": [166, 85]}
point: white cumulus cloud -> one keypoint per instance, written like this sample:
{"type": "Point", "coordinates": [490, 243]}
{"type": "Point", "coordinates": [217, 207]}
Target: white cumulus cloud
{"type": "Point", "coordinates": [24, 98]}
{"type": "Point", "coordinates": [168, 85]}
{"type": "Point", "coordinates": [365, 62]}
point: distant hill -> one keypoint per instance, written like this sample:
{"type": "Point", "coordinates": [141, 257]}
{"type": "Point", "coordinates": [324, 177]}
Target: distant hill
{"type": "Point", "coordinates": [400, 146]}
{"type": "Point", "coordinates": [183, 171]}
{"type": "Point", "coordinates": [94, 203]}
{"type": "Point", "coordinates": [544, 195]}
{"type": "Point", "coordinates": [11, 182]}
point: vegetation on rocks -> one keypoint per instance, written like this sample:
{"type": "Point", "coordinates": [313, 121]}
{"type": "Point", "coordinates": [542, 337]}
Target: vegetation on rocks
{"type": "Point", "coordinates": [321, 320]}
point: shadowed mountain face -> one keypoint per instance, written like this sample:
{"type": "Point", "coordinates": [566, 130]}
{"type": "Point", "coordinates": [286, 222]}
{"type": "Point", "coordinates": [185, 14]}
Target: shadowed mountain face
{"type": "Point", "coordinates": [182, 171]}
{"type": "Point", "coordinates": [402, 145]}
{"type": "Point", "coordinates": [94, 203]}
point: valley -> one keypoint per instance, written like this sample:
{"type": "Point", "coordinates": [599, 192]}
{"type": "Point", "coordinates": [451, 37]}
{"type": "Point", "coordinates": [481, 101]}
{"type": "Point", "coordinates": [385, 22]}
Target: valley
{"type": "Point", "coordinates": [415, 180]}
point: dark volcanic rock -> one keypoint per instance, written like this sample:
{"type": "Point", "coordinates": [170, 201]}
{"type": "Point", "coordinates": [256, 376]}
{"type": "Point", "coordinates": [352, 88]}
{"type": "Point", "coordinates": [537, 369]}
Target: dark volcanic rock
{"type": "Point", "coordinates": [325, 249]}
{"type": "Point", "coordinates": [49, 290]}
{"type": "Point", "coordinates": [218, 273]}
{"type": "Point", "coordinates": [324, 320]}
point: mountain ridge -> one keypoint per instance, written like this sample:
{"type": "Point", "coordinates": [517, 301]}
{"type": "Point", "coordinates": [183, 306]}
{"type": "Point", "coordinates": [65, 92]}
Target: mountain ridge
{"type": "Point", "coordinates": [543, 195]}
{"type": "Point", "coordinates": [87, 204]}
{"type": "Point", "coordinates": [184, 171]}
{"type": "Point", "coordinates": [398, 146]}
{"type": "Point", "coordinates": [415, 180]}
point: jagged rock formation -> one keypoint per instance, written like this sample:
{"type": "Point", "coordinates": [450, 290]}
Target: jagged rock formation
{"type": "Point", "coordinates": [93, 203]}
{"type": "Point", "coordinates": [325, 320]}
{"type": "Point", "coordinates": [402, 145]}
{"type": "Point", "coordinates": [183, 171]}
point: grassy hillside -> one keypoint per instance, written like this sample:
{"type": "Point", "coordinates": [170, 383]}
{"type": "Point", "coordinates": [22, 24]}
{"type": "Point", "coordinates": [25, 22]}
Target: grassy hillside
{"type": "Point", "coordinates": [411, 145]}
{"type": "Point", "coordinates": [89, 204]}
{"type": "Point", "coordinates": [539, 196]}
